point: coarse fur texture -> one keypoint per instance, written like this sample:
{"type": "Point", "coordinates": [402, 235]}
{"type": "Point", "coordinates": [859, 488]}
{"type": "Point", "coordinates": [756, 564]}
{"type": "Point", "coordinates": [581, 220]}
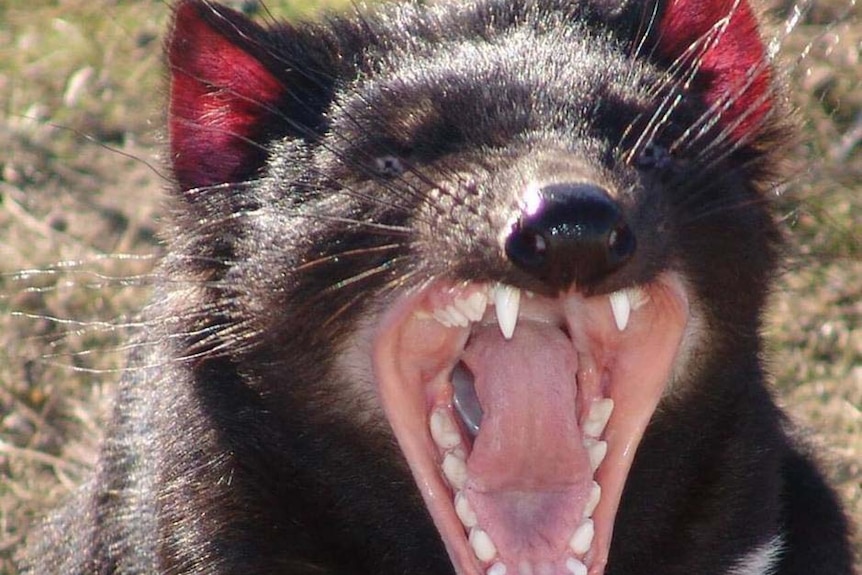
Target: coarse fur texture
{"type": "Point", "coordinates": [331, 175]}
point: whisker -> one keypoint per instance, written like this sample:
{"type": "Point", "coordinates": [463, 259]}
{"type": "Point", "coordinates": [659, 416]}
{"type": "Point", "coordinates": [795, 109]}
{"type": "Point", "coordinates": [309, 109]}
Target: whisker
{"type": "Point", "coordinates": [360, 297]}
{"type": "Point", "coordinates": [330, 258]}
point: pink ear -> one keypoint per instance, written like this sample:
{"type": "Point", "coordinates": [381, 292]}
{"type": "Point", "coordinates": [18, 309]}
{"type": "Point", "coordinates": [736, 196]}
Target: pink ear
{"type": "Point", "coordinates": [221, 95]}
{"type": "Point", "coordinates": [734, 73]}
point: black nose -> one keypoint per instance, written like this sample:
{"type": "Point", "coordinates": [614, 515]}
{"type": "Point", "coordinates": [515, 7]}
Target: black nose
{"type": "Point", "coordinates": [570, 233]}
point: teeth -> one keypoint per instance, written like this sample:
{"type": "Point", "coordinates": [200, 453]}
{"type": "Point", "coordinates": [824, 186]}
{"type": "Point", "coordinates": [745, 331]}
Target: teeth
{"type": "Point", "coordinates": [597, 418]}
{"type": "Point", "coordinates": [575, 567]}
{"type": "Point", "coordinates": [637, 297]}
{"type": "Point", "coordinates": [624, 301]}
{"type": "Point", "coordinates": [443, 316]}
{"type": "Point", "coordinates": [473, 307]}
{"type": "Point", "coordinates": [482, 545]}
{"type": "Point", "coordinates": [465, 511]}
{"type": "Point", "coordinates": [583, 538]}
{"type": "Point", "coordinates": [596, 451]}
{"type": "Point", "coordinates": [496, 569]}
{"type": "Point", "coordinates": [450, 317]}
{"type": "Point", "coordinates": [458, 318]}
{"type": "Point", "coordinates": [507, 300]}
{"type": "Point", "coordinates": [621, 306]}
{"type": "Point", "coordinates": [455, 470]}
{"type": "Point", "coordinates": [593, 501]}
{"type": "Point", "coordinates": [444, 432]}
{"type": "Point", "coordinates": [462, 310]}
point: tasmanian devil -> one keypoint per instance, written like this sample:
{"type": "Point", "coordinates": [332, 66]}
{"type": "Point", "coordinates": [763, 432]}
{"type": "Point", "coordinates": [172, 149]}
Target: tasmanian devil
{"type": "Point", "coordinates": [465, 287]}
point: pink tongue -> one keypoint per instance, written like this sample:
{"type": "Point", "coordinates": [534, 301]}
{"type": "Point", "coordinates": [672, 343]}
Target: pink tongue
{"type": "Point", "coordinates": [528, 472]}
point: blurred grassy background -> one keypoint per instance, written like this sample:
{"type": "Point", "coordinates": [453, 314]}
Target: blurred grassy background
{"type": "Point", "coordinates": [81, 96]}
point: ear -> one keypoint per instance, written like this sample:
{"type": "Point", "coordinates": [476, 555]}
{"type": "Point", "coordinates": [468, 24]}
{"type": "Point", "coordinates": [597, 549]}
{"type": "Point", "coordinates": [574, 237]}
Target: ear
{"type": "Point", "coordinates": [235, 86]}
{"type": "Point", "coordinates": [721, 39]}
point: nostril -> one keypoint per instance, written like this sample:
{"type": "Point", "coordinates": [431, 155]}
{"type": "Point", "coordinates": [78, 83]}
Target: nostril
{"type": "Point", "coordinates": [621, 243]}
{"type": "Point", "coordinates": [570, 233]}
{"type": "Point", "coordinates": [526, 248]}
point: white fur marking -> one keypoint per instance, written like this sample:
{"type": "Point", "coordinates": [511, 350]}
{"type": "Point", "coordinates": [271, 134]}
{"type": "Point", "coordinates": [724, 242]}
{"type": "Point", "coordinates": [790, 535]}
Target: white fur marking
{"type": "Point", "coordinates": [761, 561]}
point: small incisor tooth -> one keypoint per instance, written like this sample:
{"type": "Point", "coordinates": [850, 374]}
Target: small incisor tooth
{"type": "Point", "coordinates": [596, 451]}
{"type": "Point", "coordinates": [465, 511]}
{"type": "Point", "coordinates": [575, 567]}
{"type": "Point", "coordinates": [598, 417]}
{"type": "Point", "coordinates": [473, 306]}
{"type": "Point", "coordinates": [443, 317]}
{"type": "Point", "coordinates": [444, 432]}
{"type": "Point", "coordinates": [482, 545]}
{"type": "Point", "coordinates": [593, 500]}
{"type": "Point", "coordinates": [457, 316]}
{"type": "Point", "coordinates": [583, 537]}
{"type": "Point", "coordinates": [637, 297]}
{"type": "Point", "coordinates": [455, 470]}
{"type": "Point", "coordinates": [496, 569]}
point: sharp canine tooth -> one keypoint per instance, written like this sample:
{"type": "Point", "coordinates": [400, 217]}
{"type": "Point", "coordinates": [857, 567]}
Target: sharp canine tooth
{"type": "Point", "coordinates": [443, 430]}
{"type": "Point", "coordinates": [473, 307]}
{"type": "Point", "coordinates": [593, 500]}
{"type": "Point", "coordinates": [507, 300]}
{"type": "Point", "coordinates": [598, 416]}
{"type": "Point", "coordinates": [583, 538]}
{"type": "Point", "coordinates": [596, 451]}
{"type": "Point", "coordinates": [575, 567]}
{"type": "Point", "coordinates": [497, 569]}
{"type": "Point", "coordinates": [622, 308]}
{"type": "Point", "coordinates": [465, 511]}
{"type": "Point", "coordinates": [455, 470]}
{"type": "Point", "coordinates": [482, 545]}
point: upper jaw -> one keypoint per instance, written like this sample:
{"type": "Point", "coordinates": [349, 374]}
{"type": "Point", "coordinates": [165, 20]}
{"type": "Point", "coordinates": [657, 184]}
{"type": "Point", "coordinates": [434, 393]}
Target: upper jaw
{"type": "Point", "coordinates": [538, 489]}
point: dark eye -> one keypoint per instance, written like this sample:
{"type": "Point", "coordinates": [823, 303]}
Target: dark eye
{"type": "Point", "coordinates": [388, 166]}
{"type": "Point", "coordinates": [653, 157]}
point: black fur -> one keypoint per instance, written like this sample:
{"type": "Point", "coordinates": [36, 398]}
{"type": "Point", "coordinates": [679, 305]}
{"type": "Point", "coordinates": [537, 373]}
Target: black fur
{"type": "Point", "coordinates": [236, 446]}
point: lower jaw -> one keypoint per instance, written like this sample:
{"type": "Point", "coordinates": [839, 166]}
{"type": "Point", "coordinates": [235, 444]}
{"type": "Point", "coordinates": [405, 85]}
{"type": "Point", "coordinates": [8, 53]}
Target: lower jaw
{"type": "Point", "coordinates": [412, 359]}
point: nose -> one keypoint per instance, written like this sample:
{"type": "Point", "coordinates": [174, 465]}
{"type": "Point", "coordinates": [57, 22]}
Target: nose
{"type": "Point", "coordinates": [570, 233]}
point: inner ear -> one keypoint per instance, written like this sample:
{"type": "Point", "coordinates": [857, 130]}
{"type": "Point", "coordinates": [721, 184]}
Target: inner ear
{"type": "Point", "coordinates": [221, 95]}
{"type": "Point", "coordinates": [235, 86]}
{"type": "Point", "coordinates": [720, 39]}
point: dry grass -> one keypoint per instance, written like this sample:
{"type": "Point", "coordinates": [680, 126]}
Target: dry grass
{"type": "Point", "coordinates": [80, 110]}
{"type": "Point", "coordinates": [816, 322]}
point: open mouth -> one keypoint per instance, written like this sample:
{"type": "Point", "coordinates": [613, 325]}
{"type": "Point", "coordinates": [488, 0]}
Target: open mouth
{"type": "Point", "coordinates": [520, 415]}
